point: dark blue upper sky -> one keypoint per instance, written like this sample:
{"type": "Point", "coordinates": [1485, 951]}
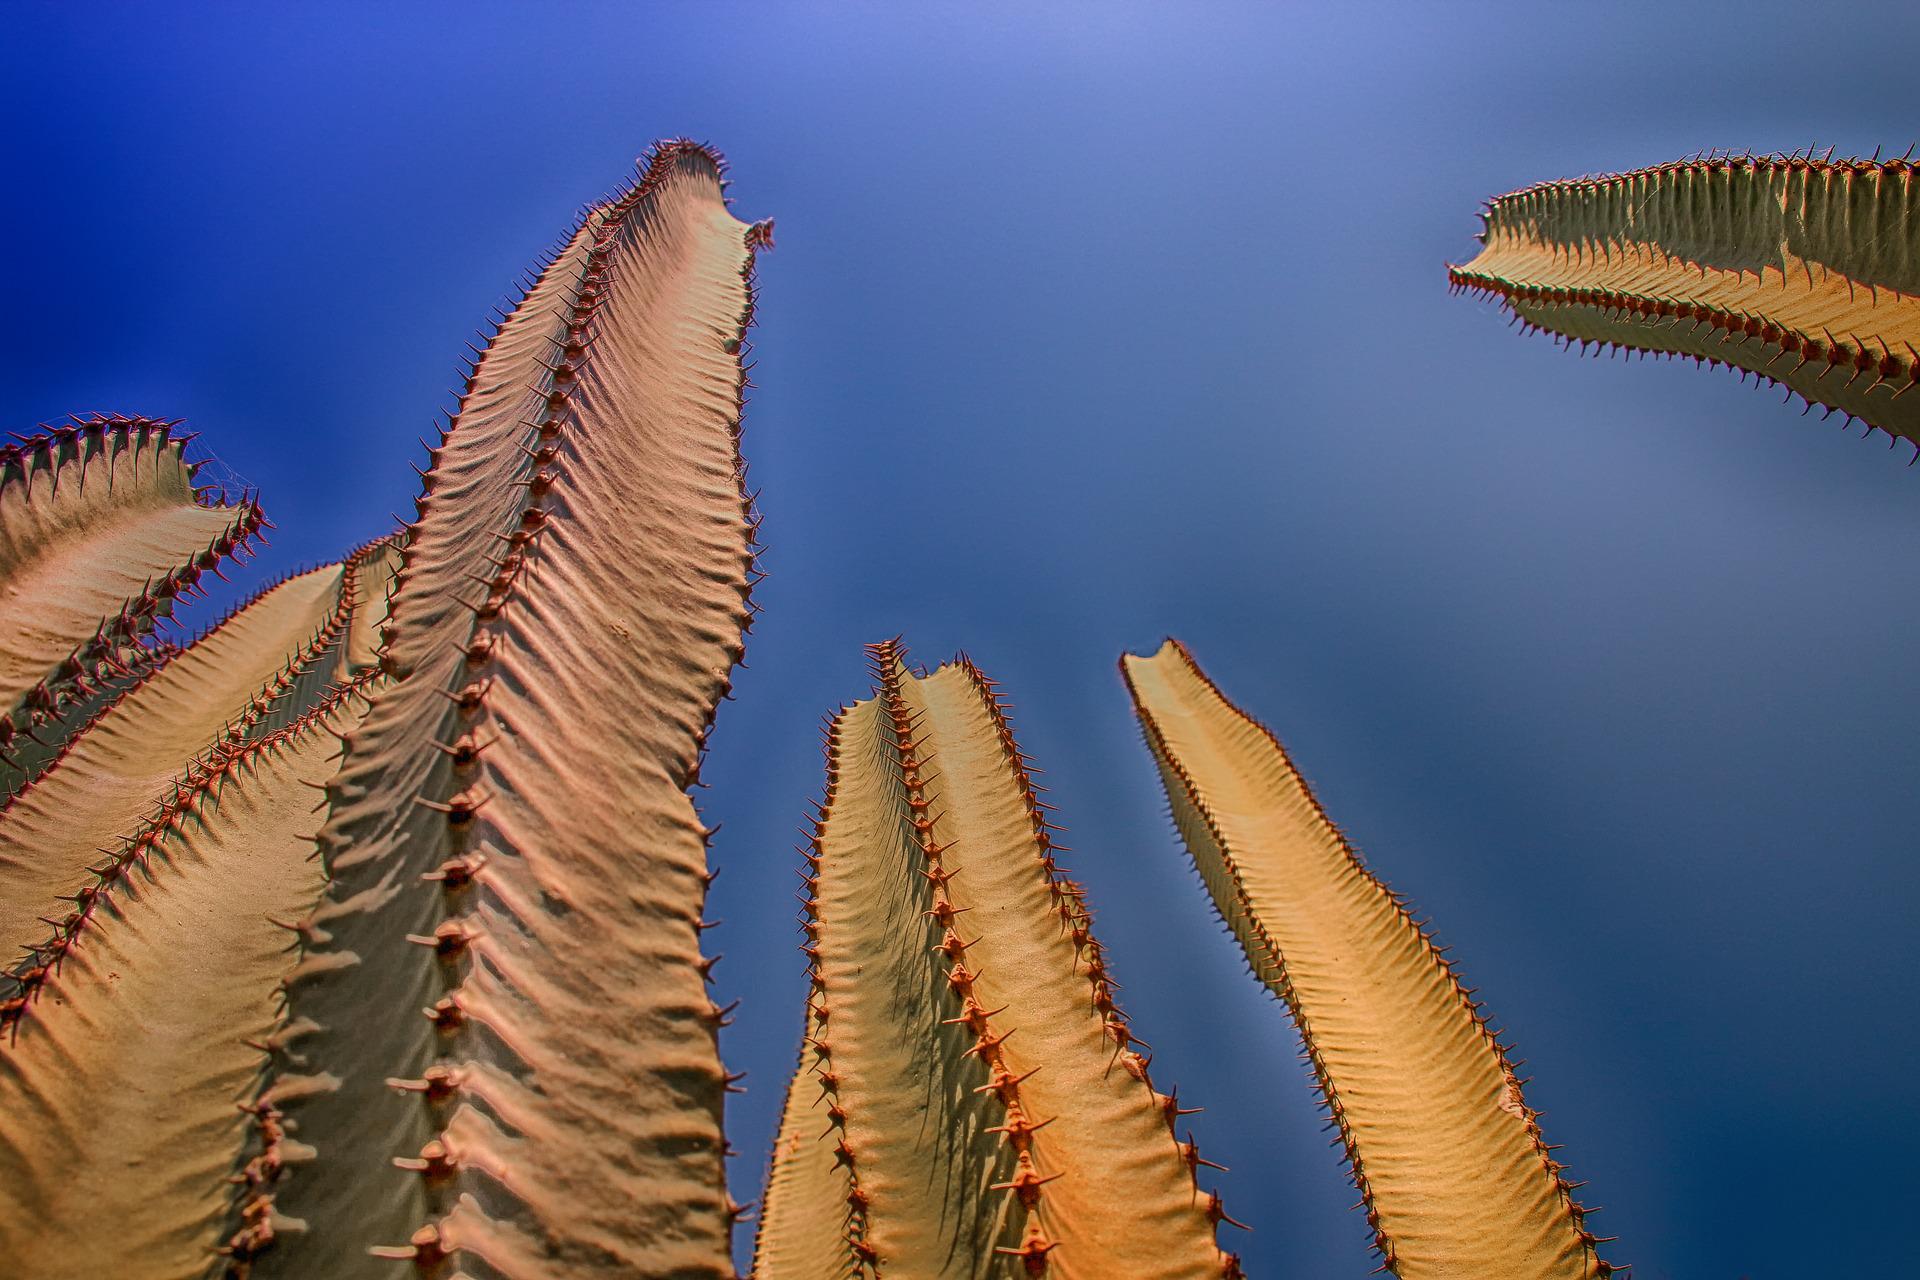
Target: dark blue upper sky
{"type": "Point", "coordinates": [1141, 313]}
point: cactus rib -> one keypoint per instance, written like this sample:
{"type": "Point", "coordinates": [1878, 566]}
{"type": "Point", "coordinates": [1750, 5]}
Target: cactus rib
{"type": "Point", "coordinates": [968, 1032]}
{"type": "Point", "coordinates": [1803, 272]}
{"type": "Point", "coordinates": [101, 529]}
{"type": "Point", "coordinates": [511, 841]}
{"type": "Point", "coordinates": [148, 1012]}
{"type": "Point", "coordinates": [1448, 1158]}
{"type": "Point", "coordinates": [130, 758]}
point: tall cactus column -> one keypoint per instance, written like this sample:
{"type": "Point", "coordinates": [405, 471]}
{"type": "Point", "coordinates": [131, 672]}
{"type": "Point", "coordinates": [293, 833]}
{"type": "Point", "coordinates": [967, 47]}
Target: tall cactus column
{"type": "Point", "coordinates": [1449, 1159]}
{"type": "Point", "coordinates": [511, 844]}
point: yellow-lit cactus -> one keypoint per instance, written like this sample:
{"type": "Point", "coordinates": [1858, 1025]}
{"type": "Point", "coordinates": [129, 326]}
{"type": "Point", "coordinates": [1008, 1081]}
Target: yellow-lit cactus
{"type": "Point", "coordinates": [1446, 1154]}
{"type": "Point", "coordinates": [1804, 271]}
{"type": "Point", "coordinates": [970, 1100]}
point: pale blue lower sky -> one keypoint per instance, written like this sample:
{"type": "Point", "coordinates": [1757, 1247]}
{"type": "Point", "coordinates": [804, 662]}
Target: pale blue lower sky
{"type": "Point", "coordinates": [1142, 311]}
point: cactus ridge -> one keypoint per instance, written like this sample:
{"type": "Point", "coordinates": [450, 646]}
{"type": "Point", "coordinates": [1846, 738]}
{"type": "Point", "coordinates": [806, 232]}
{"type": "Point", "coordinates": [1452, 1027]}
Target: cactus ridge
{"type": "Point", "coordinates": [478, 1137]}
{"type": "Point", "coordinates": [963, 1025]}
{"type": "Point", "coordinates": [1803, 272]}
{"type": "Point", "coordinates": [50, 742]}
{"type": "Point", "coordinates": [148, 1012]}
{"type": "Point", "coordinates": [1238, 801]}
{"type": "Point", "coordinates": [131, 757]}
{"type": "Point", "coordinates": [89, 566]}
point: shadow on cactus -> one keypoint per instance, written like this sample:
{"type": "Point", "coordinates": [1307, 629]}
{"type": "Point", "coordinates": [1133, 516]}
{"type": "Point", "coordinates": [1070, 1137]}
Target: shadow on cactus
{"type": "Point", "coordinates": [301, 901]}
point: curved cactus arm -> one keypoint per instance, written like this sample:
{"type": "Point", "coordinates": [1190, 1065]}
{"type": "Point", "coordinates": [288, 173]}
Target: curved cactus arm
{"type": "Point", "coordinates": [131, 756]}
{"type": "Point", "coordinates": [1446, 1154]}
{"type": "Point", "coordinates": [969, 1042]}
{"type": "Point", "coordinates": [149, 1012]}
{"type": "Point", "coordinates": [1805, 272]}
{"type": "Point", "coordinates": [101, 529]}
{"type": "Point", "coordinates": [511, 843]}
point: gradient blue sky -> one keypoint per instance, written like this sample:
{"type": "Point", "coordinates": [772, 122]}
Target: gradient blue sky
{"type": "Point", "coordinates": [1141, 312]}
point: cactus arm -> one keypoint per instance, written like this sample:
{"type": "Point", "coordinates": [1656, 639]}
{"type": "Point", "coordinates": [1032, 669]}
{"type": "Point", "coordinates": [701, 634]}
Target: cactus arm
{"type": "Point", "coordinates": [1804, 272]}
{"type": "Point", "coordinates": [1123, 1198]}
{"type": "Point", "coordinates": [359, 991]}
{"type": "Point", "coordinates": [981, 1089]}
{"type": "Point", "coordinates": [128, 760]}
{"type": "Point", "coordinates": [903, 1107]}
{"type": "Point", "coordinates": [569, 610]}
{"type": "Point", "coordinates": [1447, 1156]}
{"type": "Point", "coordinates": [146, 1015]}
{"type": "Point", "coordinates": [101, 529]}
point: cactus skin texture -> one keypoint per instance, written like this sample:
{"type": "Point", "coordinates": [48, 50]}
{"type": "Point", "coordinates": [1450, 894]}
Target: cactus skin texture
{"type": "Point", "coordinates": [510, 843]}
{"type": "Point", "coordinates": [155, 1013]}
{"type": "Point", "coordinates": [1804, 271]}
{"type": "Point", "coordinates": [970, 1101]}
{"type": "Point", "coordinates": [101, 529]}
{"type": "Point", "coordinates": [1447, 1156]}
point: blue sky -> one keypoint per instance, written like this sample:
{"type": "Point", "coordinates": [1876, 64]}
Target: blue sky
{"type": "Point", "coordinates": [1142, 311]}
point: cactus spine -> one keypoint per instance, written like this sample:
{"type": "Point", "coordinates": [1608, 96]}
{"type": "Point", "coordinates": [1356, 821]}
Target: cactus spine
{"type": "Point", "coordinates": [1447, 1156]}
{"type": "Point", "coordinates": [969, 1091]}
{"type": "Point", "coordinates": [1803, 271]}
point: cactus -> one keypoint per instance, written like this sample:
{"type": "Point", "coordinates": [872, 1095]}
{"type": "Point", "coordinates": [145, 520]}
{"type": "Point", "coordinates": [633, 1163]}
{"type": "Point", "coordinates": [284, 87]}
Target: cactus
{"type": "Point", "coordinates": [461, 1001]}
{"type": "Point", "coordinates": [1802, 271]}
{"type": "Point", "coordinates": [970, 1100]}
{"type": "Point", "coordinates": [510, 845]}
{"type": "Point", "coordinates": [1446, 1154]}
{"type": "Point", "coordinates": [502, 752]}
{"type": "Point", "coordinates": [156, 1014]}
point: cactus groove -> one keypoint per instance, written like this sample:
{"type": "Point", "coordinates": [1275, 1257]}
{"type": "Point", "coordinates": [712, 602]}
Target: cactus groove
{"type": "Point", "coordinates": [510, 843]}
{"type": "Point", "coordinates": [969, 1089]}
{"type": "Point", "coordinates": [1447, 1156]}
{"type": "Point", "coordinates": [1803, 271]}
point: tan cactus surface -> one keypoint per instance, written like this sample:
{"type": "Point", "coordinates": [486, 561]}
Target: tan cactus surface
{"type": "Point", "coordinates": [101, 527]}
{"type": "Point", "coordinates": [970, 1093]}
{"type": "Point", "coordinates": [1445, 1152]}
{"type": "Point", "coordinates": [510, 844]}
{"type": "Point", "coordinates": [236, 676]}
{"type": "Point", "coordinates": [1804, 271]}
{"type": "Point", "coordinates": [121, 1084]}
